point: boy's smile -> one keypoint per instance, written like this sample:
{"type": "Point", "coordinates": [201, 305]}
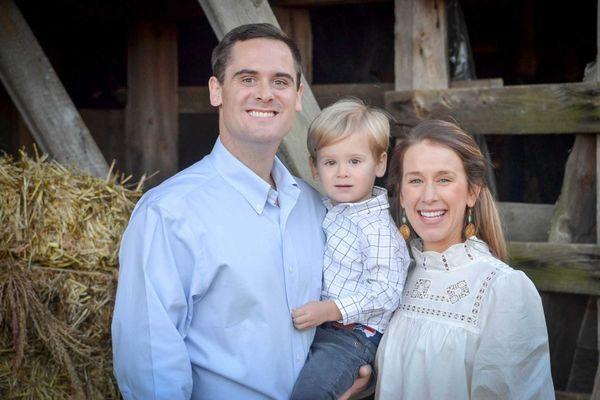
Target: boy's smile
{"type": "Point", "coordinates": [347, 169]}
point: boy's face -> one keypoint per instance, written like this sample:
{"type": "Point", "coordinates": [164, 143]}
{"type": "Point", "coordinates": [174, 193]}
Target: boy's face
{"type": "Point", "coordinates": [347, 169]}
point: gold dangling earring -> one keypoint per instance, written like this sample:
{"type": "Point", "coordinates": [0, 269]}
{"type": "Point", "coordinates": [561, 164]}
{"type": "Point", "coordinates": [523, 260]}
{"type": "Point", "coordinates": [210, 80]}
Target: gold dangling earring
{"type": "Point", "coordinates": [470, 228]}
{"type": "Point", "coordinates": [404, 228]}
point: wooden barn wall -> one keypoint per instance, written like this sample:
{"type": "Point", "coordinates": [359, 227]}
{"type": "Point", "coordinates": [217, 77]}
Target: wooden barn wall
{"type": "Point", "coordinates": [352, 43]}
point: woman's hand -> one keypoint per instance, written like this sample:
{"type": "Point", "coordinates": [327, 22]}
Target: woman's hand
{"type": "Point", "coordinates": [315, 313]}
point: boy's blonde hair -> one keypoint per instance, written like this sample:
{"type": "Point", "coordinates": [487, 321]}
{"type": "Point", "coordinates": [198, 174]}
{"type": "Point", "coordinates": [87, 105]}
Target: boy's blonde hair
{"type": "Point", "coordinates": [345, 117]}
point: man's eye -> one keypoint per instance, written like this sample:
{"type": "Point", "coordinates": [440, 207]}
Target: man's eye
{"type": "Point", "coordinates": [281, 83]}
{"type": "Point", "coordinates": [248, 80]}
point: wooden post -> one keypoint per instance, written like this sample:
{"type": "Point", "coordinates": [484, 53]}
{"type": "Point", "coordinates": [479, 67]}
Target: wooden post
{"type": "Point", "coordinates": [40, 97]}
{"type": "Point", "coordinates": [151, 115]}
{"type": "Point", "coordinates": [295, 22]}
{"type": "Point", "coordinates": [224, 15]}
{"type": "Point", "coordinates": [421, 45]}
{"type": "Point", "coordinates": [573, 221]}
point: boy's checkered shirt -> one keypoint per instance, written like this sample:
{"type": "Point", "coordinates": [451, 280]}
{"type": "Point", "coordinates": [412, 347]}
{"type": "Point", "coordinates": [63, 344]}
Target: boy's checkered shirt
{"type": "Point", "coordinates": [365, 262]}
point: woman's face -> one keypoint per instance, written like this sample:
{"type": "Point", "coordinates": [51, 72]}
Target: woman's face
{"type": "Point", "coordinates": [435, 194]}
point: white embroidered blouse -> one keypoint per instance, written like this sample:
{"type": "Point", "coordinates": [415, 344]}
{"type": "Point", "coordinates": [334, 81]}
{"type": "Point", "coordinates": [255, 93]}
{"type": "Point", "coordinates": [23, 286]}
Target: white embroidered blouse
{"type": "Point", "coordinates": [469, 326]}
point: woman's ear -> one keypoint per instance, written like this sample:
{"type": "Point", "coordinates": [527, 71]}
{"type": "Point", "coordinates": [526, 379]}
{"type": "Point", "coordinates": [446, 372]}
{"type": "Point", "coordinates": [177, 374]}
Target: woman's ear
{"type": "Point", "coordinates": [473, 195]}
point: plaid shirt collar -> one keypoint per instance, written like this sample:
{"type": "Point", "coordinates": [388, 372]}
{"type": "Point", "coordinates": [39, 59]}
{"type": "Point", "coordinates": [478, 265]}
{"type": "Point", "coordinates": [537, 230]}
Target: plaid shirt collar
{"type": "Point", "coordinates": [377, 202]}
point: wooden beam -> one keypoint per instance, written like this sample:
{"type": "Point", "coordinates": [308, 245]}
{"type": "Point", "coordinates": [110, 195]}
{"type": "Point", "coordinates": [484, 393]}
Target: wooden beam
{"type": "Point", "coordinates": [421, 45]}
{"type": "Point", "coordinates": [525, 222]}
{"type": "Point", "coordinates": [151, 115]}
{"type": "Point", "coordinates": [40, 97]}
{"type": "Point", "coordinates": [559, 267]}
{"type": "Point", "coordinates": [295, 22]}
{"type": "Point", "coordinates": [320, 3]}
{"type": "Point", "coordinates": [224, 15]}
{"type": "Point", "coordinates": [533, 109]}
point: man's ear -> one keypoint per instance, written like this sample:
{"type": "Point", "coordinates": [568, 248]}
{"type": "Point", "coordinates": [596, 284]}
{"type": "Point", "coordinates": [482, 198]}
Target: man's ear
{"type": "Point", "coordinates": [299, 97]}
{"type": "Point", "coordinates": [216, 91]}
{"type": "Point", "coordinates": [313, 168]}
{"type": "Point", "coordinates": [381, 165]}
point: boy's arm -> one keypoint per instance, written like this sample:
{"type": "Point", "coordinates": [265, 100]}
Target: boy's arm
{"type": "Point", "coordinates": [314, 313]}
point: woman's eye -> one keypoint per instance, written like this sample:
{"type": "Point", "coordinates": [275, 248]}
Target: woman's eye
{"type": "Point", "coordinates": [445, 180]}
{"type": "Point", "coordinates": [414, 180]}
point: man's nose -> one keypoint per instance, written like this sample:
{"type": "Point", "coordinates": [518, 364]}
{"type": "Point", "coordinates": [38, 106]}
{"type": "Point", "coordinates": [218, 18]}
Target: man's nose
{"type": "Point", "coordinates": [264, 91]}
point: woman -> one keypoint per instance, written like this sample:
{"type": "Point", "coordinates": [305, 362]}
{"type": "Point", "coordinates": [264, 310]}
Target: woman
{"type": "Point", "coordinates": [469, 326]}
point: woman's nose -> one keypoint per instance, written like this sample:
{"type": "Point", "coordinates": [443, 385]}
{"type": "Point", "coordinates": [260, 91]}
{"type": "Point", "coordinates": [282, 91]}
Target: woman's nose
{"type": "Point", "coordinates": [430, 193]}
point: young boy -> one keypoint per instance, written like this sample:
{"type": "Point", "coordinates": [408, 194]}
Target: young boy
{"type": "Point", "coordinates": [366, 259]}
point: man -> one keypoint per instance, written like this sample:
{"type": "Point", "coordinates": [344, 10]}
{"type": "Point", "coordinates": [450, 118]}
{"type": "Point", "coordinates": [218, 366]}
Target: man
{"type": "Point", "coordinates": [214, 259]}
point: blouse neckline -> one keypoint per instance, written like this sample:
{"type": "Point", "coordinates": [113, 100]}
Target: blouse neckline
{"type": "Point", "coordinates": [456, 256]}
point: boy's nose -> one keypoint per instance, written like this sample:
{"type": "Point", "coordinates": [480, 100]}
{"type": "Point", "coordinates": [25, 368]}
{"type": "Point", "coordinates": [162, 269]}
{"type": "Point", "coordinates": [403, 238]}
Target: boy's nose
{"type": "Point", "coordinates": [342, 171]}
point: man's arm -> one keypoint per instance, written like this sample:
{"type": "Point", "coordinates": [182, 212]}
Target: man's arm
{"type": "Point", "coordinates": [151, 360]}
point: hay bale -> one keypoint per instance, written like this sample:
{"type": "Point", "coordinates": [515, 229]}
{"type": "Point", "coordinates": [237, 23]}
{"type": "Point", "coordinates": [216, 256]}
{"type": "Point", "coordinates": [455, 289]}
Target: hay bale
{"type": "Point", "coordinates": [59, 237]}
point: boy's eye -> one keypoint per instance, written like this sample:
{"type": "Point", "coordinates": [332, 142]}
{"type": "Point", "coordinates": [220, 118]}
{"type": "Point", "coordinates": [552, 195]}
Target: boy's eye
{"type": "Point", "coordinates": [329, 162]}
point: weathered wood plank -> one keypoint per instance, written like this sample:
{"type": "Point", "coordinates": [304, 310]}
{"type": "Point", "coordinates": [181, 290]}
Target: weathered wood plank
{"type": "Point", "coordinates": [194, 99]}
{"type": "Point", "coordinates": [572, 396]}
{"type": "Point", "coordinates": [525, 222]}
{"type": "Point", "coordinates": [559, 267]}
{"type": "Point", "coordinates": [421, 45]}
{"type": "Point", "coordinates": [40, 97]}
{"type": "Point", "coordinates": [319, 3]}
{"type": "Point", "coordinates": [224, 15]}
{"type": "Point", "coordinates": [532, 109]}
{"type": "Point", "coordinates": [151, 115]}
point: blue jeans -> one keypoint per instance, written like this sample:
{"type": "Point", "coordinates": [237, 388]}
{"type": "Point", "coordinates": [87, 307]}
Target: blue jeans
{"type": "Point", "coordinates": [333, 361]}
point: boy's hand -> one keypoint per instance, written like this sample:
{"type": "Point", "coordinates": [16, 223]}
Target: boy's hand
{"type": "Point", "coordinates": [315, 313]}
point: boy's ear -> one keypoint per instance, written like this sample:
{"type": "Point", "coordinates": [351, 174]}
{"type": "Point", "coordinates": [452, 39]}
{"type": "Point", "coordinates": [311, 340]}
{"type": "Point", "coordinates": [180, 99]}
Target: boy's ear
{"type": "Point", "coordinates": [381, 165]}
{"type": "Point", "coordinates": [313, 168]}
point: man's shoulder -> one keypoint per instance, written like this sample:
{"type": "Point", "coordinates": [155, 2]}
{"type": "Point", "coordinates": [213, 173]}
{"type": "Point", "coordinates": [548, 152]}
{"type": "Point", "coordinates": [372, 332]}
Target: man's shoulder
{"type": "Point", "coordinates": [193, 182]}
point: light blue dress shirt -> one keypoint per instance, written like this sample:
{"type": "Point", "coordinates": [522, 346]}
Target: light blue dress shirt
{"type": "Point", "coordinates": [212, 262]}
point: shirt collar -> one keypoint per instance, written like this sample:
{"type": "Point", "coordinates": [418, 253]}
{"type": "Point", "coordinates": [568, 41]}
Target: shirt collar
{"type": "Point", "coordinates": [454, 257]}
{"type": "Point", "coordinates": [377, 202]}
{"type": "Point", "coordinates": [252, 187]}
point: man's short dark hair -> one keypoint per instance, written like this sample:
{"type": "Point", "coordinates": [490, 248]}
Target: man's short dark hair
{"type": "Point", "coordinates": [220, 55]}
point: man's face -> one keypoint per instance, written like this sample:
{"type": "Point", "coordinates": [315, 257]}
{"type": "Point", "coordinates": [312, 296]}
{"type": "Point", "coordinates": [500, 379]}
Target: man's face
{"type": "Point", "coordinates": [258, 99]}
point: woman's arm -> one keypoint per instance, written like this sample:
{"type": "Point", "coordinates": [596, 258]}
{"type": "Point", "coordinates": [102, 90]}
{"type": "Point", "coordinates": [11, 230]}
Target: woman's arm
{"type": "Point", "coordinates": [512, 360]}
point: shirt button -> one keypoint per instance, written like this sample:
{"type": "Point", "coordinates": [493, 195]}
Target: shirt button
{"type": "Point", "coordinates": [298, 357]}
{"type": "Point", "coordinates": [291, 269]}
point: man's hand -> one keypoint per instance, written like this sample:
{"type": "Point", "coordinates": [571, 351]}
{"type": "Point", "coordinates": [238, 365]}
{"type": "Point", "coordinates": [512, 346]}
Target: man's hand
{"type": "Point", "coordinates": [360, 384]}
{"type": "Point", "coordinates": [315, 313]}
